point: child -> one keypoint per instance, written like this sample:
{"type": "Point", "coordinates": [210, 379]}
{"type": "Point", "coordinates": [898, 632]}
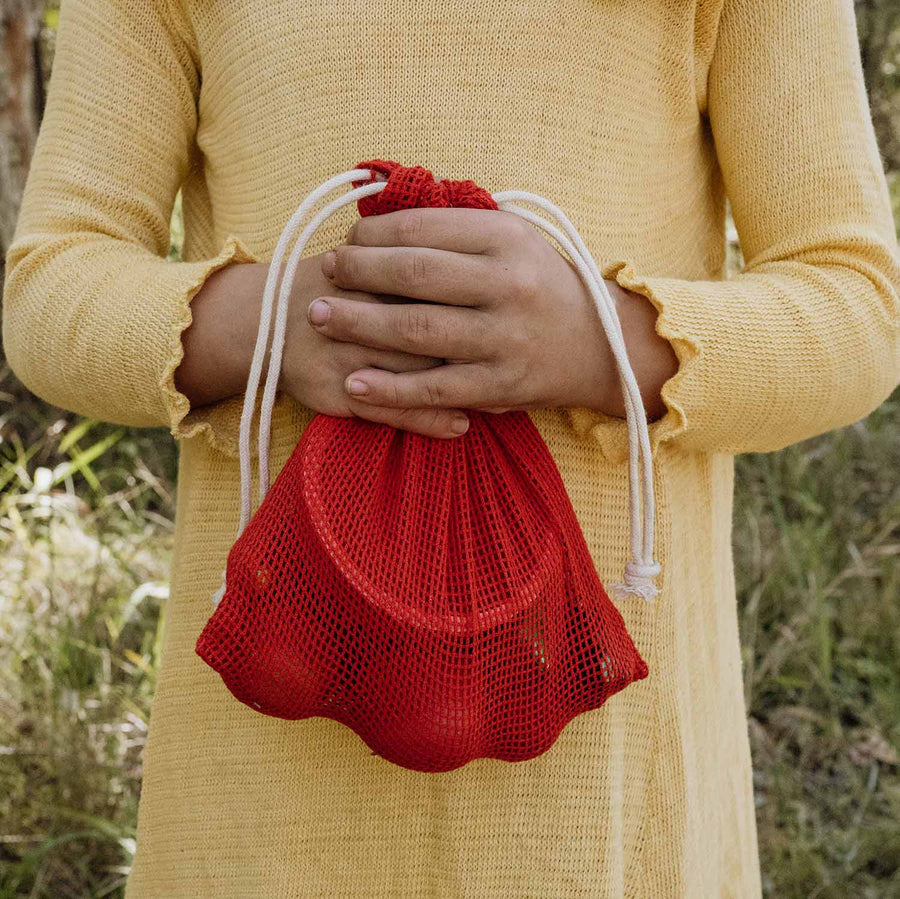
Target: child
{"type": "Point", "coordinates": [636, 118]}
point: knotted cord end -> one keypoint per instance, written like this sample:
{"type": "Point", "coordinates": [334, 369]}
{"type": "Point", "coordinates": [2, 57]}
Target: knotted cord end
{"type": "Point", "coordinates": [638, 581]}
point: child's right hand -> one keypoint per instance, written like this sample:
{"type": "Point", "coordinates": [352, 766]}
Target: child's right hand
{"type": "Point", "coordinates": [314, 368]}
{"type": "Point", "coordinates": [218, 349]}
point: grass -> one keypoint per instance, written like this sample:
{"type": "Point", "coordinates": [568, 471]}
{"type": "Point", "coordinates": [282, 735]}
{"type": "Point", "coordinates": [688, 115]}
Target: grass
{"type": "Point", "coordinates": [817, 555]}
{"type": "Point", "coordinates": [85, 540]}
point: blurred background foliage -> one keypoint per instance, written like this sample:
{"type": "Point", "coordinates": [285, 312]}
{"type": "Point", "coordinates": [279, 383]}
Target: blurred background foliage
{"type": "Point", "coordinates": [86, 513]}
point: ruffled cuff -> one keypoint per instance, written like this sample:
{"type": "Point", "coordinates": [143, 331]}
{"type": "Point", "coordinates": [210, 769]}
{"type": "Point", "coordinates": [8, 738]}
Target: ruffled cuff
{"type": "Point", "coordinates": [612, 433]}
{"type": "Point", "coordinates": [218, 422]}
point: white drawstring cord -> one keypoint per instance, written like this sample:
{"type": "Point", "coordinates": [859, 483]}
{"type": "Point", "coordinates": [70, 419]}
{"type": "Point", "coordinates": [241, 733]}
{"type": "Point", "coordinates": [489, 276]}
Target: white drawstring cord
{"type": "Point", "coordinates": [640, 571]}
{"type": "Point", "coordinates": [265, 326]}
{"type": "Point", "coordinates": [609, 322]}
{"type": "Point", "coordinates": [287, 286]}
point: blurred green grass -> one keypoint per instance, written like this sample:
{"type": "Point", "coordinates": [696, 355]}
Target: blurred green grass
{"type": "Point", "coordinates": [85, 542]}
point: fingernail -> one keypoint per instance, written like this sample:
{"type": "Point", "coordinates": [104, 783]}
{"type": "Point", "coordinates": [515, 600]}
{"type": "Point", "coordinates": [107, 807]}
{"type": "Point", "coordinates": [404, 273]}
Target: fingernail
{"type": "Point", "coordinates": [459, 425]}
{"type": "Point", "coordinates": [328, 263]}
{"type": "Point", "coordinates": [357, 387]}
{"type": "Point", "coordinates": [318, 312]}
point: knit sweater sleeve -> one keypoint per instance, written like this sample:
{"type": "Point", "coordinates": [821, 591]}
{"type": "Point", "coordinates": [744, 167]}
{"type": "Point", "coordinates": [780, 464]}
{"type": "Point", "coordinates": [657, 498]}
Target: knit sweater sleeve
{"type": "Point", "coordinates": [93, 312]}
{"type": "Point", "coordinates": [806, 337]}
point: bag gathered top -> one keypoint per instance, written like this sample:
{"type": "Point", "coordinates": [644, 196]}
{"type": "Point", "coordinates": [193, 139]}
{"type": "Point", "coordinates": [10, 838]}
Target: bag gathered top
{"type": "Point", "coordinates": [436, 596]}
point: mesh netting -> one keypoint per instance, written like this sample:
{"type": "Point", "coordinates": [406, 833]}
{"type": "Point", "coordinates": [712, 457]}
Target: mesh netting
{"type": "Point", "coordinates": [436, 596]}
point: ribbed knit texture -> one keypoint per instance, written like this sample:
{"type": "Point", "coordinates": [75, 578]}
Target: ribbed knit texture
{"type": "Point", "coordinates": [635, 117]}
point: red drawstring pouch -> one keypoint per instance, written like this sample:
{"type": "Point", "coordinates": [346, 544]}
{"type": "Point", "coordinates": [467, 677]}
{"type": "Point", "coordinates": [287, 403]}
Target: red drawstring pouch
{"type": "Point", "coordinates": [434, 595]}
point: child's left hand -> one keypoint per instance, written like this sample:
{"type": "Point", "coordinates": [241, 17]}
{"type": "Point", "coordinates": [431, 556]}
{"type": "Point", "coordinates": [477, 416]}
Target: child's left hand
{"type": "Point", "coordinates": [505, 305]}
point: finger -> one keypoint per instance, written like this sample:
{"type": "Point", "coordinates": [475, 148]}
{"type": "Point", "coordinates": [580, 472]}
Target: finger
{"type": "Point", "coordinates": [445, 423]}
{"type": "Point", "coordinates": [461, 230]}
{"type": "Point", "coordinates": [461, 386]}
{"type": "Point", "coordinates": [423, 273]}
{"type": "Point", "coordinates": [425, 329]}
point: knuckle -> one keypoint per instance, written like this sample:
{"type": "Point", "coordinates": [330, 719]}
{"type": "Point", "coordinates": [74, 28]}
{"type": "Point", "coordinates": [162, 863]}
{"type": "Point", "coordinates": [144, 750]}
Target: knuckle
{"type": "Point", "coordinates": [507, 345]}
{"type": "Point", "coordinates": [345, 320]}
{"type": "Point", "coordinates": [507, 380]}
{"type": "Point", "coordinates": [515, 231]}
{"type": "Point", "coordinates": [414, 324]}
{"type": "Point", "coordinates": [522, 283]}
{"type": "Point", "coordinates": [438, 421]}
{"type": "Point", "coordinates": [337, 324]}
{"type": "Point", "coordinates": [406, 419]}
{"type": "Point", "coordinates": [346, 264]}
{"type": "Point", "coordinates": [396, 396]}
{"type": "Point", "coordinates": [518, 227]}
{"type": "Point", "coordinates": [485, 337]}
{"type": "Point", "coordinates": [429, 422]}
{"type": "Point", "coordinates": [518, 343]}
{"type": "Point", "coordinates": [411, 228]}
{"type": "Point", "coordinates": [353, 318]}
{"type": "Point", "coordinates": [411, 271]}
{"type": "Point", "coordinates": [434, 394]}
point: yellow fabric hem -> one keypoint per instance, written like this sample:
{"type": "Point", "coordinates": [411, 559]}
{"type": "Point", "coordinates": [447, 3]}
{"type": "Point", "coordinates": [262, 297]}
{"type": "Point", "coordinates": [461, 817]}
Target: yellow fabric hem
{"type": "Point", "coordinates": [177, 404]}
{"type": "Point", "coordinates": [611, 433]}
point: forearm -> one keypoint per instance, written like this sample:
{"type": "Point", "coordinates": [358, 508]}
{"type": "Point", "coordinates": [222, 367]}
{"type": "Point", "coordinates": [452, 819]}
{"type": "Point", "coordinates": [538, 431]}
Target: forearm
{"type": "Point", "coordinates": [218, 344]}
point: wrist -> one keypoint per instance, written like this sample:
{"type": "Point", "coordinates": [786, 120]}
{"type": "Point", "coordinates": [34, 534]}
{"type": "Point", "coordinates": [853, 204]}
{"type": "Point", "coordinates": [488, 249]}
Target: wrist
{"type": "Point", "coordinates": [603, 391]}
{"type": "Point", "coordinates": [218, 344]}
{"type": "Point", "coordinates": [651, 356]}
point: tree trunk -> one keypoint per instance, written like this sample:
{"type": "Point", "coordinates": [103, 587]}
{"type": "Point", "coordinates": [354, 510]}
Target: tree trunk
{"type": "Point", "coordinates": [21, 104]}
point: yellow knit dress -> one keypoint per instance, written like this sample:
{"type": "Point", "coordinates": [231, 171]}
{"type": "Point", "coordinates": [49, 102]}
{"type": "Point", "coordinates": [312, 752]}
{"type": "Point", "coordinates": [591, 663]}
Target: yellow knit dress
{"type": "Point", "coordinates": [636, 117]}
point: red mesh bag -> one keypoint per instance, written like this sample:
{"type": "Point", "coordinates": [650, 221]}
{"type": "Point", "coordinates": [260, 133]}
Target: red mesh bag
{"type": "Point", "coordinates": [436, 596]}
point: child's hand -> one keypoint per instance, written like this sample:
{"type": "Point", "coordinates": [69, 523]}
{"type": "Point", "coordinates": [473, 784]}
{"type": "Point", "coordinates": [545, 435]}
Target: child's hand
{"type": "Point", "coordinates": [504, 302]}
{"type": "Point", "coordinates": [219, 343]}
{"type": "Point", "coordinates": [315, 367]}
